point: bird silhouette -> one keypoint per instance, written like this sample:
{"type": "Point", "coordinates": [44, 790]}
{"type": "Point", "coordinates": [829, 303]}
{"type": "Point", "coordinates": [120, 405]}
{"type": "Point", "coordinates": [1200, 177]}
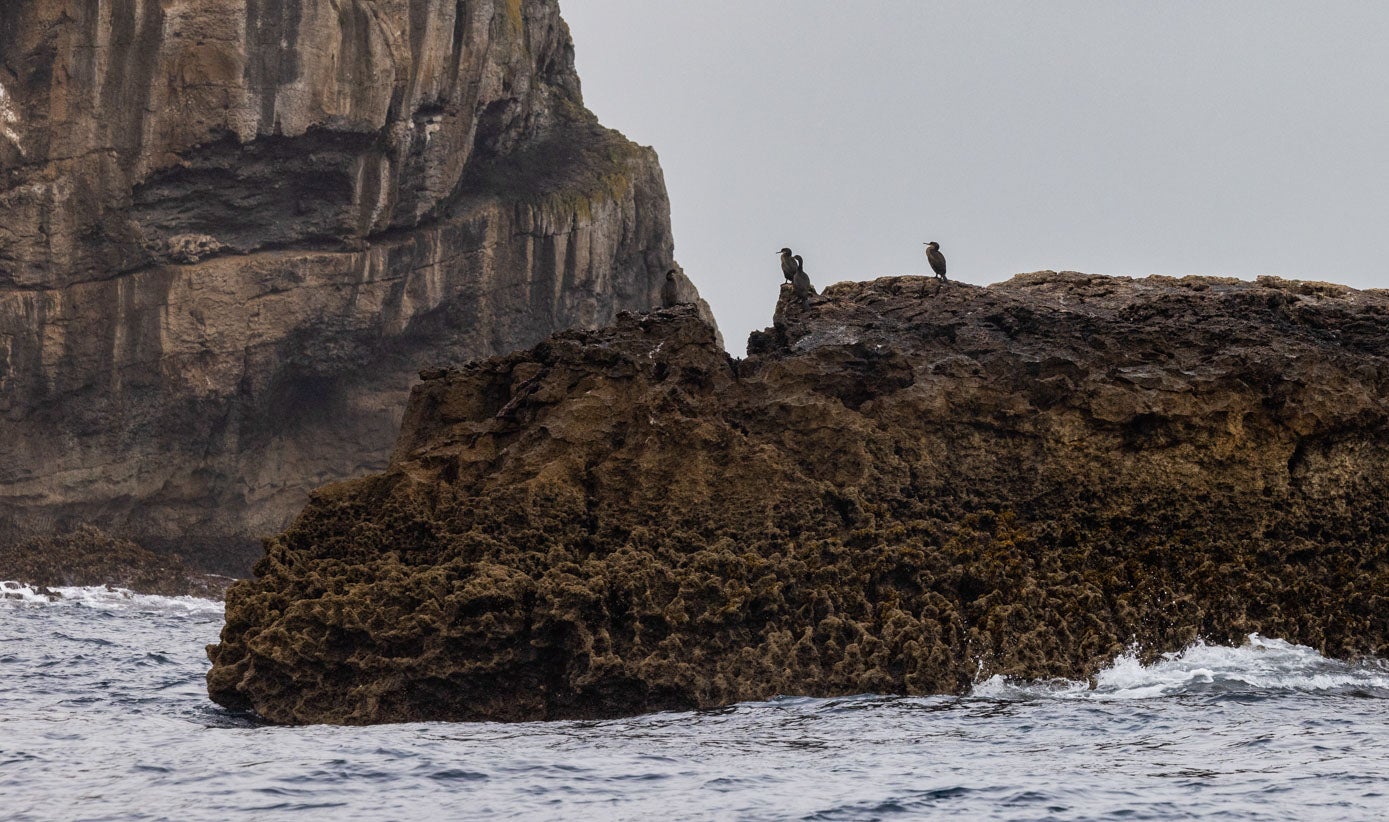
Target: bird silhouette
{"type": "Point", "coordinates": [936, 259]}
{"type": "Point", "coordinates": [788, 264]}
{"type": "Point", "coordinates": [670, 291]}
{"type": "Point", "coordinates": [800, 284]}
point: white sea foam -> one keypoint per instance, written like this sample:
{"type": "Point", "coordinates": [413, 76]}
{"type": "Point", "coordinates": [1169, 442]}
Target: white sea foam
{"type": "Point", "coordinates": [17, 594]}
{"type": "Point", "coordinates": [1260, 664]}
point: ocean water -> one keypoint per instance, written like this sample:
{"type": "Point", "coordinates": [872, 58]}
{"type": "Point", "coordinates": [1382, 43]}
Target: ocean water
{"type": "Point", "coordinates": [103, 716]}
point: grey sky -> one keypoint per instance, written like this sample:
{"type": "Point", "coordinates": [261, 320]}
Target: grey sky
{"type": "Point", "coordinates": [1114, 137]}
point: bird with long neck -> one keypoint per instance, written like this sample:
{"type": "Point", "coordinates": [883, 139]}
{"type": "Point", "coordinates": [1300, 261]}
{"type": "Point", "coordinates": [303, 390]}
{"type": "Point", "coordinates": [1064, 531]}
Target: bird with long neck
{"type": "Point", "coordinates": [788, 265]}
{"type": "Point", "coordinates": [800, 284]}
{"type": "Point", "coordinates": [936, 259]}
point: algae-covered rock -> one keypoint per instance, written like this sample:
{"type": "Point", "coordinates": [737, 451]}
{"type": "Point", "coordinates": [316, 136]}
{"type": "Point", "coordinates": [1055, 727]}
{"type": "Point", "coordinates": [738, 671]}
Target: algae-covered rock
{"type": "Point", "coordinates": [903, 488]}
{"type": "Point", "coordinates": [88, 557]}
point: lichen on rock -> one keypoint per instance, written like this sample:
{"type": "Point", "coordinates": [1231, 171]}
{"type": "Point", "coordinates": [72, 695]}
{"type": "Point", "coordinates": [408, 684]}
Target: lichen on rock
{"type": "Point", "coordinates": [9, 121]}
{"type": "Point", "coordinates": [904, 488]}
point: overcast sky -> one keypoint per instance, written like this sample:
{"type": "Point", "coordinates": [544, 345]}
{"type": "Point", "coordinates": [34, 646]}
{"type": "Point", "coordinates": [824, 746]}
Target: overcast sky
{"type": "Point", "coordinates": [1113, 137]}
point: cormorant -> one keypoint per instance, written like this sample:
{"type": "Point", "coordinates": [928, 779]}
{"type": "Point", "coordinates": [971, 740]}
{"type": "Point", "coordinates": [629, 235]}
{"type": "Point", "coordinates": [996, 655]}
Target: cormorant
{"type": "Point", "coordinates": [670, 291]}
{"type": "Point", "coordinates": [936, 259]}
{"type": "Point", "coordinates": [788, 265]}
{"type": "Point", "coordinates": [800, 284]}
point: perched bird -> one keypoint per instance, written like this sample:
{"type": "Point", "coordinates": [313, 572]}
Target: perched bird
{"type": "Point", "coordinates": [800, 284]}
{"type": "Point", "coordinates": [788, 265]}
{"type": "Point", "coordinates": [670, 291]}
{"type": "Point", "coordinates": [936, 259]}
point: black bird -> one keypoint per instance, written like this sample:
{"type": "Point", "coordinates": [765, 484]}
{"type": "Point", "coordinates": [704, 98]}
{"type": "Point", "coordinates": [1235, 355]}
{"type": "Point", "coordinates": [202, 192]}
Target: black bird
{"type": "Point", "coordinates": [936, 259]}
{"type": "Point", "coordinates": [788, 265]}
{"type": "Point", "coordinates": [670, 291]}
{"type": "Point", "coordinates": [800, 284]}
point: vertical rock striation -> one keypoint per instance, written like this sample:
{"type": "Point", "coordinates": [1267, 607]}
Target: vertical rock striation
{"type": "Point", "coordinates": [234, 230]}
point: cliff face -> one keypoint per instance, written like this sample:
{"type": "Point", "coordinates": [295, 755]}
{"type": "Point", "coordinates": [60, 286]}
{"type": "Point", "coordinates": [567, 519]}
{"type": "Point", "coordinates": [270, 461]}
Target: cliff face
{"type": "Point", "coordinates": [902, 489]}
{"type": "Point", "coordinates": [234, 230]}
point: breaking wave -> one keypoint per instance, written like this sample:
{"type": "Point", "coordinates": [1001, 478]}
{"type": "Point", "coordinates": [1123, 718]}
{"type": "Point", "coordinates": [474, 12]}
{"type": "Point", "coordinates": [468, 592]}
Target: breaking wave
{"type": "Point", "coordinates": [20, 595]}
{"type": "Point", "coordinates": [1261, 665]}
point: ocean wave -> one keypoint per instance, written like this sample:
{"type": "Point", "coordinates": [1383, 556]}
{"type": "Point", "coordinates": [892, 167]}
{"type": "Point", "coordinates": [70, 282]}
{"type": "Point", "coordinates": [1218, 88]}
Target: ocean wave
{"type": "Point", "coordinates": [1260, 665]}
{"type": "Point", "coordinates": [20, 595]}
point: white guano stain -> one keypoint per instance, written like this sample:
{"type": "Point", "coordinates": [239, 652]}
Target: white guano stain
{"type": "Point", "coordinates": [9, 119]}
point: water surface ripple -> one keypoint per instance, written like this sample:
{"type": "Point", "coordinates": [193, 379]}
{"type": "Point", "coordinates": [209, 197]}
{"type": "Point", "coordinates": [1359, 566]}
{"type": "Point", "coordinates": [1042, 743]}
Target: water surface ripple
{"type": "Point", "coordinates": [103, 715]}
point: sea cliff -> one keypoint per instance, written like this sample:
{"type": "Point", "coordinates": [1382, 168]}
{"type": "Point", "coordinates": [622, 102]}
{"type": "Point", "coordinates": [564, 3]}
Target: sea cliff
{"type": "Point", "coordinates": [234, 230]}
{"type": "Point", "coordinates": [905, 488]}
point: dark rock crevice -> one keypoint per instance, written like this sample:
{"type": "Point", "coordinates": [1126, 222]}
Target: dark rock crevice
{"type": "Point", "coordinates": [276, 192]}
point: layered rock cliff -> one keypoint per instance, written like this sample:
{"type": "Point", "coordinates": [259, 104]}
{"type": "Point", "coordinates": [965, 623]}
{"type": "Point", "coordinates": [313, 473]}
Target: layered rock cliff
{"type": "Point", "coordinates": [235, 229]}
{"type": "Point", "coordinates": [904, 488]}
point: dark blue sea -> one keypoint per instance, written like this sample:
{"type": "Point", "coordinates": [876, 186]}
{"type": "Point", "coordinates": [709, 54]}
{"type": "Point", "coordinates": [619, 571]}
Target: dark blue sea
{"type": "Point", "coordinates": [103, 716]}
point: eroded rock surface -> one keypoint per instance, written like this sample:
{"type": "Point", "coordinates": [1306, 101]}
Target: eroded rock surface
{"type": "Point", "coordinates": [233, 230]}
{"type": "Point", "coordinates": [906, 488]}
{"type": "Point", "coordinates": [89, 557]}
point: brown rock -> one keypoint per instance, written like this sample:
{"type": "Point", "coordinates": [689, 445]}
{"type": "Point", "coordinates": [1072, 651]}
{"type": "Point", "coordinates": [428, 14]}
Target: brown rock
{"type": "Point", "coordinates": [235, 229]}
{"type": "Point", "coordinates": [900, 491]}
{"type": "Point", "coordinates": [89, 557]}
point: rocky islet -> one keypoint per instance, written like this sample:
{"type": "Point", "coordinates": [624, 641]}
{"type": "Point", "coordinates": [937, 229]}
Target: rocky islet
{"type": "Point", "coordinates": [903, 489]}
